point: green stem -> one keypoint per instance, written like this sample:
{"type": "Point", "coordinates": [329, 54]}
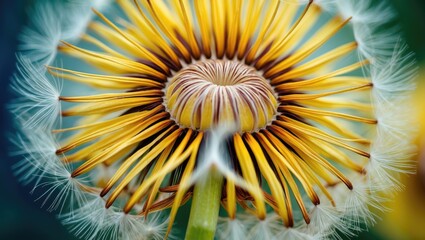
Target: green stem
{"type": "Point", "coordinates": [205, 207]}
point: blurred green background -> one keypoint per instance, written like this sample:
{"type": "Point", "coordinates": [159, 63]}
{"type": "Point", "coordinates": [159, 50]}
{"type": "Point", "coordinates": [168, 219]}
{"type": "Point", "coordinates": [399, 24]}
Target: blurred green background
{"type": "Point", "coordinates": [22, 218]}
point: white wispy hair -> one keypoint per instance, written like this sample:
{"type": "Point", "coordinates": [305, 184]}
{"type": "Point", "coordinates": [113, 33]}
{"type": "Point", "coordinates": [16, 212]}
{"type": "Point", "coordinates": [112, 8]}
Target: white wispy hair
{"type": "Point", "coordinates": [155, 226]}
{"type": "Point", "coordinates": [365, 11]}
{"type": "Point", "coordinates": [396, 74]}
{"type": "Point", "coordinates": [374, 45]}
{"type": "Point", "coordinates": [392, 95]}
{"type": "Point", "coordinates": [228, 228]}
{"type": "Point", "coordinates": [39, 40]}
{"type": "Point", "coordinates": [325, 221]}
{"type": "Point", "coordinates": [90, 220]}
{"type": "Point", "coordinates": [265, 228]}
{"type": "Point", "coordinates": [248, 226]}
{"type": "Point", "coordinates": [366, 20]}
{"type": "Point", "coordinates": [53, 21]}
{"type": "Point", "coordinates": [94, 221]}
{"type": "Point", "coordinates": [97, 4]}
{"type": "Point", "coordinates": [38, 105]}
{"type": "Point", "coordinates": [51, 175]}
{"type": "Point", "coordinates": [78, 15]}
{"type": "Point", "coordinates": [37, 148]}
{"type": "Point", "coordinates": [296, 234]}
{"type": "Point", "coordinates": [61, 191]}
{"type": "Point", "coordinates": [358, 204]}
{"type": "Point", "coordinates": [389, 156]}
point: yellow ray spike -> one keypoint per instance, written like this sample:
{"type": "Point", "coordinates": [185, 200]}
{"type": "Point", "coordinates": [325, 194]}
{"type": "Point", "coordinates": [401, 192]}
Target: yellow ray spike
{"type": "Point", "coordinates": [307, 112]}
{"type": "Point", "coordinates": [324, 137]}
{"type": "Point", "coordinates": [118, 65]}
{"type": "Point", "coordinates": [233, 18]}
{"type": "Point", "coordinates": [101, 45]}
{"type": "Point", "coordinates": [109, 35]}
{"type": "Point", "coordinates": [277, 160]}
{"type": "Point", "coordinates": [112, 105]}
{"type": "Point", "coordinates": [269, 175]}
{"type": "Point", "coordinates": [284, 155]}
{"type": "Point", "coordinates": [321, 37]}
{"type": "Point", "coordinates": [250, 22]}
{"type": "Point", "coordinates": [299, 28]}
{"type": "Point", "coordinates": [313, 178]}
{"type": "Point", "coordinates": [249, 173]}
{"type": "Point", "coordinates": [102, 144]}
{"type": "Point", "coordinates": [170, 135]}
{"type": "Point", "coordinates": [167, 26]}
{"type": "Point", "coordinates": [112, 96]}
{"type": "Point", "coordinates": [144, 132]}
{"type": "Point", "coordinates": [283, 22]}
{"type": "Point", "coordinates": [184, 184]}
{"type": "Point", "coordinates": [191, 38]}
{"type": "Point", "coordinates": [231, 198]}
{"type": "Point", "coordinates": [288, 201]}
{"type": "Point", "coordinates": [147, 29]}
{"type": "Point", "coordinates": [143, 52]}
{"type": "Point", "coordinates": [203, 16]}
{"type": "Point", "coordinates": [337, 83]}
{"type": "Point", "coordinates": [335, 126]}
{"type": "Point", "coordinates": [265, 25]}
{"type": "Point", "coordinates": [334, 154]}
{"type": "Point", "coordinates": [105, 81]}
{"type": "Point", "coordinates": [306, 151]}
{"type": "Point", "coordinates": [296, 97]}
{"type": "Point", "coordinates": [280, 81]}
{"type": "Point", "coordinates": [101, 130]}
{"type": "Point", "coordinates": [320, 62]}
{"type": "Point", "coordinates": [177, 158]}
{"type": "Point", "coordinates": [219, 27]}
{"type": "Point", "coordinates": [338, 103]}
{"type": "Point", "coordinates": [123, 120]}
{"type": "Point", "coordinates": [314, 131]}
{"type": "Point", "coordinates": [155, 188]}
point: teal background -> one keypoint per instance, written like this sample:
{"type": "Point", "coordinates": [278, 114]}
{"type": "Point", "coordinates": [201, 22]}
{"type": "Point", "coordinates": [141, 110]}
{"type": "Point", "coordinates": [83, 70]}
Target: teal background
{"type": "Point", "coordinates": [20, 216]}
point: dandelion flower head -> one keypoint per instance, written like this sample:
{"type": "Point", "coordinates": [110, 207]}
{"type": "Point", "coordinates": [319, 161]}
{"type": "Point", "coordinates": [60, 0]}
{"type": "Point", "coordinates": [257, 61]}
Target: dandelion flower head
{"type": "Point", "coordinates": [290, 116]}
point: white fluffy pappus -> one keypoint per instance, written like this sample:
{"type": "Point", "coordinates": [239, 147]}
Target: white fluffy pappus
{"type": "Point", "coordinates": [38, 148]}
{"type": "Point", "coordinates": [296, 234]}
{"type": "Point", "coordinates": [393, 84]}
{"type": "Point", "coordinates": [53, 21]}
{"type": "Point", "coordinates": [263, 229]}
{"type": "Point", "coordinates": [228, 228]}
{"type": "Point", "coordinates": [325, 220]}
{"type": "Point", "coordinates": [38, 42]}
{"type": "Point", "coordinates": [246, 226]}
{"type": "Point", "coordinates": [366, 20]}
{"type": "Point", "coordinates": [396, 75]}
{"type": "Point", "coordinates": [94, 221]}
{"type": "Point", "coordinates": [38, 105]}
{"type": "Point", "coordinates": [365, 12]}
{"type": "Point", "coordinates": [49, 174]}
{"type": "Point", "coordinates": [387, 161]}
{"type": "Point", "coordinates": [78, 15]}
{"type": "Point", "coordinates": [392, 150]}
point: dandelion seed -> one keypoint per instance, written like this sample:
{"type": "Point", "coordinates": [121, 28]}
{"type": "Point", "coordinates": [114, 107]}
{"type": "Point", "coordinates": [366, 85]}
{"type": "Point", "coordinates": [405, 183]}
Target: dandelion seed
{"type": "Point", "coordinates": [265, 109]}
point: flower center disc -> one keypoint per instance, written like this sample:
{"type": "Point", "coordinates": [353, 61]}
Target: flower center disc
{"type": "Point", "coordinates": [218, 92]}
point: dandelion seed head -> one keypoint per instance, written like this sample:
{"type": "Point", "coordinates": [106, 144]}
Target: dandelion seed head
{"type": "Point", "coordinates": [305, 126]}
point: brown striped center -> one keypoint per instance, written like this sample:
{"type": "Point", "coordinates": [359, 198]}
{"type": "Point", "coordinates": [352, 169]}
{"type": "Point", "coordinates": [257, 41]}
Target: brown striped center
{"type": "Point", "coordinates": [218, 92]}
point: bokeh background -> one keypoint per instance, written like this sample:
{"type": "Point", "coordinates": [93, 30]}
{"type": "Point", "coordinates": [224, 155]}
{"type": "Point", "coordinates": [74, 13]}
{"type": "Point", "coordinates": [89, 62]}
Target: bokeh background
{"type": "Point", "coordinates": [22, 218]}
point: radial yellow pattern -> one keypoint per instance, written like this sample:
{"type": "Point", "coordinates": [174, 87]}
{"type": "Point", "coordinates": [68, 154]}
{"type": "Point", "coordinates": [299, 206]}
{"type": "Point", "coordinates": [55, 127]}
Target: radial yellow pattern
{"type": "Point", "coordinates": [177, 70]}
